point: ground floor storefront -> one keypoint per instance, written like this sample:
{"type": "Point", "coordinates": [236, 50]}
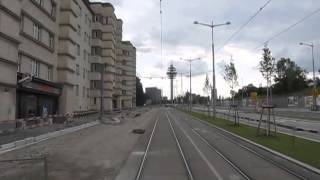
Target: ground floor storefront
{"type": "Point", "coordinates": [37, 98]}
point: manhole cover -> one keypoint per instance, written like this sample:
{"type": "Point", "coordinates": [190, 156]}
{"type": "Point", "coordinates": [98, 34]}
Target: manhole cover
{"type": "Point", "coordinates": [138, 131]}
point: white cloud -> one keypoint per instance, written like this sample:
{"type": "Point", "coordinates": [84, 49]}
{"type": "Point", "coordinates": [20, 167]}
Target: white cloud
{"type": "Point", "coordinates": [183, 39]}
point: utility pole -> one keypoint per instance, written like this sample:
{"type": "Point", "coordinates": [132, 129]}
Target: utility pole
{"type": "Point", "coordinates": [314, 106]}
{"type": "Point", "coordinates": [214, 91]}
{"type": "Point", "coordinates": [190, 74]}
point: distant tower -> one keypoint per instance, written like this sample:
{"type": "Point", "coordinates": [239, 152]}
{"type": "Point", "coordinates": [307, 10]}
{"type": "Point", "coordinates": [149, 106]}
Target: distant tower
{"type": "Point", "coordinates": [172, 73]}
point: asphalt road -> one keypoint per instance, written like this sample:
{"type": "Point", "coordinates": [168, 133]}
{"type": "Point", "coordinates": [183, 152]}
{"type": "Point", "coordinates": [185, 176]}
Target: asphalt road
{"type": "Point", "coordinates": [176, 147]}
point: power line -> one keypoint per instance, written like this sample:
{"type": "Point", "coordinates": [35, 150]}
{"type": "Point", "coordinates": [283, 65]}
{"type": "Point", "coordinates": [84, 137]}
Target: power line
{"type": "Point", "coordinates": [288, 28]}
{"type": "Point", "coordinates": [244, 25]}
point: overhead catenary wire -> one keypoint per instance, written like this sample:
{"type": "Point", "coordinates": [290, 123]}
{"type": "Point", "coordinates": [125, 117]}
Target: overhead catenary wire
{"type": "Point", "coordinates": [245, 24]}
{"type": "Point", "coordinates": [161, 33]}
{"type": "Point", "coordinates": [288, 28]}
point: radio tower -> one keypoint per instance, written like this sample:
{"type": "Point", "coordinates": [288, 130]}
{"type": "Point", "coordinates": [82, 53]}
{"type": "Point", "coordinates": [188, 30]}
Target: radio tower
{"type": "Point", "coordinates": [172, 73]}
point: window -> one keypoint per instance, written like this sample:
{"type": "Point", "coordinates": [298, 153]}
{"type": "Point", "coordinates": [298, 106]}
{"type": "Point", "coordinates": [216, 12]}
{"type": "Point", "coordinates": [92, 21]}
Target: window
{"type": "Point", "coordinates": [124, 62]}
{"type": "Point", "coordinates": [97, 18]}
{"type": "Point", "coordinates": [19, 63]}
{"type": "Point", "coordinates": [36, 32]}
{"type": "Point", "coordinates": [124, 72]}
{"type": "Point", "coordinates": [53, 10]}
{"type": "Point", "coordinates": [94, 101]}
{"type": "Point", "coordinates": [83, 91]}
{"type": "Point", "coordinates": [96, 50]}
{"type": "Point", "coordinates": [78, 49]}
{"type": "Point", "coordinates": [51, 41]}
{"type": "Point", "coordinates": [124, 92]}
{"type": "Point", "coordinates": [50, 74]}
{"type": "Point", "coordinates": [79, 30]}
{"type": "Point", "coordinates": [86, 18]}
{"type": "Point", "coordinates": [124, 82]}
{"type": "Point", "coordinates": [96, 34]}
{"type": "Point", "coordinates": [84, 55]}
{"type": "Point", "coordinates": [95, 67]}
{"type": "Point", "coordinates": [77, 90]}
{"type": "Point", "coordinates": [35, 66]}
{"type": "Point", "coordinates": [80, 11]}
{"type": "Point", "coordinates": [95, 84]}
{"type": "Point", "coordinates": [105, 20]}
{"type": "Point", "coordinates": [22, 23]}
{"type": "Point", "coordinates": [126, 53]}
{"type": "Point", "coordinates": [39, 2]}
{"type": "Point", "coordinates": [84, 73]}
{"type": "Point", "coordinates": [87, 92]}
{"type": "Point", "coordinates": [85, 37]}
{"type": "Point", "coordinates": [78, 69]}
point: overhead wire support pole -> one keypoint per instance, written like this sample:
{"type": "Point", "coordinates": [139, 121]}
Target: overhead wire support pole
{"type": "Point", "coordinates": [314, 94]}
{"type": "Point", "coordinates": [213, 91]}
{"type": "Point", "coordinates": [190, 74]}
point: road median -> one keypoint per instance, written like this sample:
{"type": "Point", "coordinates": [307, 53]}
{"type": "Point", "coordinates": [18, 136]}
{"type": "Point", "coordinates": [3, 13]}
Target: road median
{"type": "Point", "coordinates": [296, 148]}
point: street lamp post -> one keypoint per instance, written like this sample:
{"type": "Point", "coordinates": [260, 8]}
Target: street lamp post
{"type": "Point", "coordinates": [190, 97]}
{"type": "Point", "coordinates": [213, 91]}
{"type": "Point", "coordinates": [314, 106]}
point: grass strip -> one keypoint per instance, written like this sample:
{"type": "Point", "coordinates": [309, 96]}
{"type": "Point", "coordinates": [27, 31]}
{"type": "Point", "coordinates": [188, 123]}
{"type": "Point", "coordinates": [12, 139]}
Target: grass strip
{"type": "Point", "coordinates": [298, 148]}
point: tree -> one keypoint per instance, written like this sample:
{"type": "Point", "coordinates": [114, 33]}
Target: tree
{"type": "Point", "coordinates": [207, 88]}
{"type": "Point", "coordinates": [267, 68]}
{"type": "Point", "coordinates": [289, 77]}
{"type": "Point", "coordinates": [230, 75]}
{"type": "Point", "coordinates": [140, 96]}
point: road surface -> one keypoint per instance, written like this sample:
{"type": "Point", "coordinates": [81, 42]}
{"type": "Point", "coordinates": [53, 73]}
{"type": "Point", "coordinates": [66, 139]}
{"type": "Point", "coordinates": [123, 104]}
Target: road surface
{"type": "Point", "coordinates": [176, 146]}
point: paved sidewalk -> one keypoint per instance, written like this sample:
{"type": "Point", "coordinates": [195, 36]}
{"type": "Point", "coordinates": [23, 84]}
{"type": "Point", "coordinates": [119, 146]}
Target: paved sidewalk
{"type": "Point", "coordinates": [95, 153]}
{"type": "Point", "coordinates": [20, 134]}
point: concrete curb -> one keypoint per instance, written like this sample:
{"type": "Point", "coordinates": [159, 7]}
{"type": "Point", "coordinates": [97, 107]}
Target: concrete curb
{"type": "Point", "coordinates": [302, 164]}
{"type": "Point", "coordinates": [4, 148]}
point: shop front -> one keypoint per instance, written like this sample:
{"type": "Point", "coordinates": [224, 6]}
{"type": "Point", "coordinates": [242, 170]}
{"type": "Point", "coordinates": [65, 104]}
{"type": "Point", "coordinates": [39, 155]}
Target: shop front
{"type": "Point", "coordinates": [37, 98]}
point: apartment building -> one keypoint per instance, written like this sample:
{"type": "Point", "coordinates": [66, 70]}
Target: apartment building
{"type": "Point", "coordinates": [128, 64]}
{"type": "Point", "coordinates": [56, 54]}
{"type": "Point", "coordinates": [73, 55]}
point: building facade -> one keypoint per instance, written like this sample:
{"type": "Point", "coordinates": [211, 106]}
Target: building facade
{"type": "Point", "coordinates": [154, 95]}
{"type": "Point", "coordinates": [61, 57]}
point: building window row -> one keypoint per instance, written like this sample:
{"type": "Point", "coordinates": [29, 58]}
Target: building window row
{"type": "Point", "coordinates": [37, 32]}
{"type": "Point", "coordinates": [95, 84]}
{"type": "Point", "coordinates": [96, 50]}
{"type": "Point", "coordinates": [101, 19]}
{"type": "Point", "coordinates": [125, 52]}
{"type": "Point", "coordinates": [96, 34]}
{"type": "Point", "coordinates": [49, 6]}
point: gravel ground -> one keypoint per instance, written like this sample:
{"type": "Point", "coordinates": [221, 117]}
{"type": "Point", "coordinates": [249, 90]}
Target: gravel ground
{"type": "Point", "coordinates": [95, 153]}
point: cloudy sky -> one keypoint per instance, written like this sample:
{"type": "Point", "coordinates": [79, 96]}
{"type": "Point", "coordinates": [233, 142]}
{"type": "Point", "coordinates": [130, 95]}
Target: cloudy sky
{"type": "Point", "coordinates": [183, 39]}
